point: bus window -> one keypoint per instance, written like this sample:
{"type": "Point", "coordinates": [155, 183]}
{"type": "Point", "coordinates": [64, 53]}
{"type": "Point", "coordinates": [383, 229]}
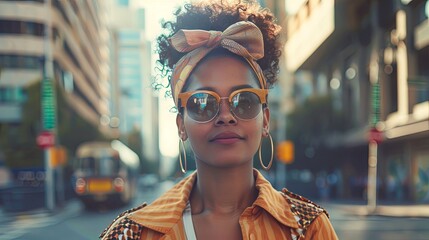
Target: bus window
{"type": "Point", "coordinates": [108, 166]}
{"type": "Point", "coordinates": [87, 165]}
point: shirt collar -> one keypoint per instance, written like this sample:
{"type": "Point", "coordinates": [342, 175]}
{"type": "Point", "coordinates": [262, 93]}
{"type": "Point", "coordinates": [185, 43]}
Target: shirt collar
{"type": "Point", "coordinates": [273, 202]}
{"type": "Point", "coordinates": [165, 212]}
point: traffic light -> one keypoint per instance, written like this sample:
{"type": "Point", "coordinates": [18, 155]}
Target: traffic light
{"type": "Point", "coordinates": [58, 156]}
{"type": "Point", "coordinates": [285, 152]}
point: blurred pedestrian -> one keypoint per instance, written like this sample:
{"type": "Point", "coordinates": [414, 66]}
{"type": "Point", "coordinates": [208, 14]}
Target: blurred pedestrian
{"type": "Point", "coordinates": [5, 173]}
{"type": "Point", "coordinates": [222, 57]}
{"type": "Point", "coordinates": [322, 186]}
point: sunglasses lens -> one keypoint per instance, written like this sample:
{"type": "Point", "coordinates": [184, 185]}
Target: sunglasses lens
{"type": "Point", "coordinates": [246, 105]}
{"type": "Point", "coordinates": [202, 107]}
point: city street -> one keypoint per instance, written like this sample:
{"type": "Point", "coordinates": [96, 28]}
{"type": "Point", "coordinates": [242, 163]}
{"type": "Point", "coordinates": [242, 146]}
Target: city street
{"type": "Point", "coordinates": [332, 95]}
{"type": "Point", "coordinates": [74, 222]}
{"type": "Point", "coordinates": [351, 226]}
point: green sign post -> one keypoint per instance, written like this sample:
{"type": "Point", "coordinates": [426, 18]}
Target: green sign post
{"type": "Point", "coordinates": [48, 105]}
{"type": "Point", "coordinates": [375, 104]}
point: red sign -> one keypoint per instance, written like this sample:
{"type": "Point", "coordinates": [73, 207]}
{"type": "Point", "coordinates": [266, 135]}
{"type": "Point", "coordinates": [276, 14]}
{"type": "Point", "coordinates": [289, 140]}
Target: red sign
{"type": "Point", "coordinates": [375, 135]}
{"type": "Point", "coordinates": [45, 139]}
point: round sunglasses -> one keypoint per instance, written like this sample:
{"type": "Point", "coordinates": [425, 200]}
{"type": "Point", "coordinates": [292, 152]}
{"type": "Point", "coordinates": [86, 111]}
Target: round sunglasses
{"type": "Point", "coordinates": [203, 106]}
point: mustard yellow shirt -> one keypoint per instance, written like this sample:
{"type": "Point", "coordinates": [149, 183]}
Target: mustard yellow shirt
{"type": "Point", "coordinates": [273, 215]}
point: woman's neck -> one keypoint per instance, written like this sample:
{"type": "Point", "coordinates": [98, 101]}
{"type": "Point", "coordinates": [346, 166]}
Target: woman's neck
{"type": "Point", "coordinates": [223, 191]}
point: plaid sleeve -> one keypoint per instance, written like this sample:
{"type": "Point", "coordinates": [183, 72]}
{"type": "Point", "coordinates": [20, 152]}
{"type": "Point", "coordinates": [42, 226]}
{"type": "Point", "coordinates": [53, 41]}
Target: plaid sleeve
{"type": "Point", "coordinates": [305, 211]}
{"type": "Point", "coordinates": [123, 228]}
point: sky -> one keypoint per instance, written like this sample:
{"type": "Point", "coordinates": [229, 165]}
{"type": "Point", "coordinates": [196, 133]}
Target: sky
{"type": "Point", "coordinates": [293, 5]}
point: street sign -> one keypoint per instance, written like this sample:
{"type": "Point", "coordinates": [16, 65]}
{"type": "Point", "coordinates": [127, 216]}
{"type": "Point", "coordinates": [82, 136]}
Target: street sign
{"type": "Point", "coordinates": [45, 139]}
{"type": "Point", "coordinates": [375, 135]}
{"type": "Point", "coordinates": [48, 104]}
{"type": "Point", "coordinates": [375, 104]}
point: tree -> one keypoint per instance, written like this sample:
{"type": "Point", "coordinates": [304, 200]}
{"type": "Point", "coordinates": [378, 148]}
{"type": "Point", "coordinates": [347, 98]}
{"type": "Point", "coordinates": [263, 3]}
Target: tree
{"type": "Point", "coordinates": [135, 142]}
{"type": "Point", "coordinates": [309, 125]}
{"type": "Point", "coordinates": [18, 140]}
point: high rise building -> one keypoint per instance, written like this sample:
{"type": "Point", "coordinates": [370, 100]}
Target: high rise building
{"type": "Point", "coordinates": [133, 100]}
{"type": "Point", "coordinates": [72, 37]}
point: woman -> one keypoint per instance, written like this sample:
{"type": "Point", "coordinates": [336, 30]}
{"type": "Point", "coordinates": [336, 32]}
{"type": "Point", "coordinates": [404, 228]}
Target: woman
{"type": "Point", "coordinates": [223, 58]}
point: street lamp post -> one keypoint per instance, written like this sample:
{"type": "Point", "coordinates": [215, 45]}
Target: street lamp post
{"type": "Point", "coordinates": [372, 176]}
{"type": "Point", "coordinates": [375, 136]}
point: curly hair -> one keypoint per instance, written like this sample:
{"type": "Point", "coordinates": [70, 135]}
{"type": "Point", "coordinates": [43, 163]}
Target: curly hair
{"type": "Point", "coordinates": [218, 15]}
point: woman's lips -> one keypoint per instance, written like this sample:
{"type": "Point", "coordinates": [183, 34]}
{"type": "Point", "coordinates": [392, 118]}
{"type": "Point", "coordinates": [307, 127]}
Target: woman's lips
{"type": "Point", "coordinates": [226, 138]}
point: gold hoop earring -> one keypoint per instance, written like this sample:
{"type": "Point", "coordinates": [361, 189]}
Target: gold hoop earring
{"type": "Point", "coordinates": [184, 155]}
{"type": "Point", "coordinates": [266, 168]}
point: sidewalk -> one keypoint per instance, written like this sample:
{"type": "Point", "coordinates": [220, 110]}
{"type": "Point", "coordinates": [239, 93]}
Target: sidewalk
{"type": "Point", "coordinates": [16, 224]}
{"type": "Point", "coordinates": [388, 210]}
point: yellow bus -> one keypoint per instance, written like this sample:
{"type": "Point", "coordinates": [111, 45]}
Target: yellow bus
{"type": "Point", "coordinates": [105, 172]}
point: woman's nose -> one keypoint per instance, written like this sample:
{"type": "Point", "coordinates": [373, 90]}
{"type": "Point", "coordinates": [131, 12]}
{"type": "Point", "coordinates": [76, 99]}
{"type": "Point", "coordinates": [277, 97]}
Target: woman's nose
{"type": "Point", "coordinates": [225, 116]}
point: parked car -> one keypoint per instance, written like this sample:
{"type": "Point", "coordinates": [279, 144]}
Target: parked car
{"type": "Point", "coordinates": [148, 180]}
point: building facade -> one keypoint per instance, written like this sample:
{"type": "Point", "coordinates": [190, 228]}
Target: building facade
{"type": "Point", "coordinates": [72, 38]}
{"type": "Point", "coordinates": [370, 58]}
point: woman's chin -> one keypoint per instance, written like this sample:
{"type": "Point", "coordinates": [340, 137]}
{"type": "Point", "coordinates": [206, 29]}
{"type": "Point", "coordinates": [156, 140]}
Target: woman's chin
{"type": "Point", "coordinates": [228, 162]}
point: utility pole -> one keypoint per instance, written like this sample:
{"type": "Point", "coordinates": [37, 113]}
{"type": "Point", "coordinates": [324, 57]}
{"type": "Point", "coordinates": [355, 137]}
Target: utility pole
{"type": "Point", "coordinates": [48, 103]}
{"type": "Point", "coordinates": [372, 176]}
{"type": "Point", "coordinates": [375, 136]}
{"type": "Point", "coordinates": [374, 75]}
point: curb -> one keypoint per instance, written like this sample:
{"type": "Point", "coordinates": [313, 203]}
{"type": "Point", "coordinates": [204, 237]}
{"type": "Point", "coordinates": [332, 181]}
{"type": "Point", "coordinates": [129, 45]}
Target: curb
{"type": "Point", "coordinates": [405, 211]}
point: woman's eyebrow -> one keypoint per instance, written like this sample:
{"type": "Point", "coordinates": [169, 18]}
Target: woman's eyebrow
{"type": "Point", "coordinates": [206, 89]}
{"type": "Point", "coordinates": [230, 90]}
{"type": "Point", "coordinates": [241, 87]}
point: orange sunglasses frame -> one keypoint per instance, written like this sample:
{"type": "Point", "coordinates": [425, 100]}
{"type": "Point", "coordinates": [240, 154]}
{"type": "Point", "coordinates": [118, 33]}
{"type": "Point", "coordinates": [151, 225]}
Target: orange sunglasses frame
{"type": "Point", "coordinates": [261, 93]}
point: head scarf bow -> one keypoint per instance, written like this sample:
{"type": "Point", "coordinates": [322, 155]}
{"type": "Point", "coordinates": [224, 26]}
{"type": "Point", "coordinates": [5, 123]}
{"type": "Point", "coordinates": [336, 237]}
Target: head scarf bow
{"type": "Point", "coordinates": [242, 38]}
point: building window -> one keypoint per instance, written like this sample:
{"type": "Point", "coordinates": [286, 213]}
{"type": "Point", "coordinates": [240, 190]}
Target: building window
{"type": "Point", "coordinates": [39, 1]}
{"type": "Point", "coordinates": [20, 62]}
{"type": "Point", "coordinates": [427, 9]}
{"type": "Point", "coordinates": [420, 12]}
{"type": "Point", "coordinates": [421, 184]}
{"type": "Point", "coordinates": [124, 3]}
{"type": "Point", "coordinates": [59, 7]}
{"type": "Point", "coordinates": [68, 82]}
{"type": "Point", "coordinates": [421, 81]}
{"type": "Point", "coordinates": [12, 95]}
{"type": "Point", "coordinates": [390, 88]}
{"type": "Point", "coordinates": [21, 27]}
{"type": "Point", "coordinates": [71, 55]}
{"type": "Point", "coordinates": [78, 92]}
